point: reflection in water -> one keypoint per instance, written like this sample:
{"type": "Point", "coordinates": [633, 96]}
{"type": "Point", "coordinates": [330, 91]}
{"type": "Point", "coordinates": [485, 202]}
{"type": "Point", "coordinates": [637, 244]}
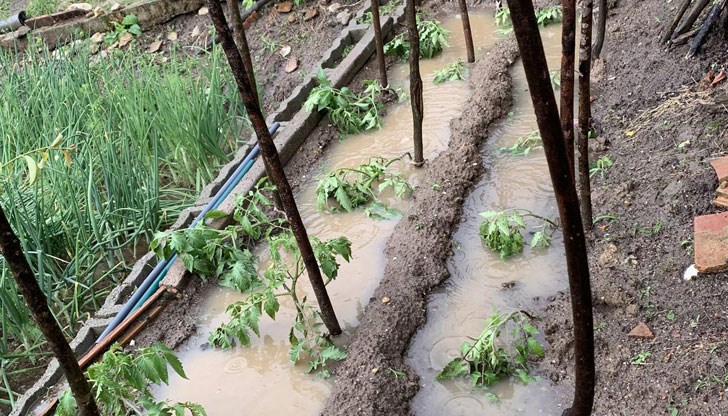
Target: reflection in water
{"type": "Point", "coordinates": [260, 380]}
{"type": "Point", "coordinates": [475, 286]}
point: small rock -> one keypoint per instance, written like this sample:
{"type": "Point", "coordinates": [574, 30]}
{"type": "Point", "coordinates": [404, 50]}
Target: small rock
{"type": "Point", "coordinates": [310, 14]}
{"type": "Point", "coordinates": [386, 300]}
{"type": "Point", "coordinates": [508, 285]}
{"type": "Point", "coordinates": [284, 7]}
{"type": "Point", "coordinates": [98, 11]}
{"type": "Point", "coordinates": [632, 309]}
{"type": "Point", "coordinates": [86, 7]}
{"type": "Point", "coordinates": [154, 46]}
{"type": "Point", "coordinates": [343, 17]}
{"type": "Point", "coordinates": [285, 51]}
{"type": "Point", "coordinates": [203, 11]}
{"type": "Point", "coordinates": [641, 331]}
{"type": "Point", "coordinates": [195, 32]}
{"type": "Point", "coordinates": [115, 7]}
{"type": "Point", "coordinates": [97, 37]}
{"type": "Point", "coordinates": [172, 36]}
{"type": "Point", "coordinates": [375, 370]}
{"type": "Point", "coordinates": [609, 255]}
{"type": "Point", "coordinates": [334, 7]}
{"type": "Point", "coordinates": [292, 18]}
{"type": "Point", "coordinates": [125, 39]}
{"type": "Point", "coordinates": [291, 65]}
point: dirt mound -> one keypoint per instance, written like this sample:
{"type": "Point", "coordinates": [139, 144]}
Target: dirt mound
{"type": "Point", "coordinates": [417, 253]}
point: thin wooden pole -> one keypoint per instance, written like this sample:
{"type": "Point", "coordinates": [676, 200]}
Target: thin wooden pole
{"type": "Point", "coordinates": [680, 13]}
{"type": "Point", "coordinates": [466, 31]}
{"type": "Point", "coordinates": [601, 29]}
{"type": "Point", "coordinates": [277, 174]}
{"type": "Point", "coordinates": [415, 82]}
{"type": "Point", "coordinates": [12, 251]}
{"type": "Point", "coordinates": [547, 116]}
{"type": "Point", "coordinates": [568, 44]}
{"type": "Point", "coordinates": [379, 42]}
{"type": "Point", "coordinates": [585, 112]}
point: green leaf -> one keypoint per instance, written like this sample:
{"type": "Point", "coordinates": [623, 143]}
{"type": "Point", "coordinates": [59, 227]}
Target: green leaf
{"type": "Point", "coordinates": [135, 30]}
{"type": "Point", "coordinates": [535, 347]}
{"type": "Point", "coordinates": [33, 169]}
{"type": "Point", "coordinates": [129, 20]}
{"type": "Point", "coordinates": [215, 214]}
{"type": "Point", "coordinates": [454, 368]}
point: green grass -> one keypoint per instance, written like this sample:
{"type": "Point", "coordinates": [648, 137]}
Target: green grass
{"type": "Point", "coordinates": [139, 141]}
{"type": "Point", "coordinates": [41, 7]}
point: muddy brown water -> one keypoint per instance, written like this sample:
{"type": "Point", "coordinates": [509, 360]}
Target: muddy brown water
{"type": "Point", "coordinates": [480, 280]}
{"type": "Point", "coordinates": [261, 379]}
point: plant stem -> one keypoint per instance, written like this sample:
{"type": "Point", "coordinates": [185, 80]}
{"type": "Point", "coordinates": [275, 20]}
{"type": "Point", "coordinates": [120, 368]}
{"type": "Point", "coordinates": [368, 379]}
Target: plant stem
{"type": "Point", "coordinates": [278, 176]}
{"type": "Point", "coordinates": [547, 116]}
{"type": "Point", "coordinates": [12, 251]}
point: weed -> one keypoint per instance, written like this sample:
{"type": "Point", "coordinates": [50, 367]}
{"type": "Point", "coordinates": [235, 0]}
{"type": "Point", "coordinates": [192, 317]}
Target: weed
{"type": "Point", "coordinates": [432, 40]}
{"type": "Point", "coordinates": [490, 359]}
{"type": "Point", "coordinates": [397, 373]}
{"type": "Point", "coordinates": [501, 231]}
{"type": "Point", "coordinates": [210, 252]}
{"type": "Point", "coordinates": [555, 76]}
{"type": "Point", "coordinates": [670, 315]}
{"type": "Point", "coordinates": [452, 72]}
{"type": "Point", "coordinates": [600, 166]}
{"type": "Point", "coordinates": [346, 51]}
{"type": "Point", "coordinates": [645, 292]}
{"type": "Point", "coordinates": [129, 24]}
{"type": "Point", "coordinates": [687, 244]}
{"type": "Point", "coordinates": [269, 45]}
{"type": "Point", "coordinates": [641, 358]}
{"type": "Point", "coordinates": [608, 217]}
{"type": "Point", "coordinates": [121, 383]}
{"type": "Point", "coordinates": [524, 144]}
{"type": "Point", "coordinates": [386, 9]}
{"type": "Point", "coordinates": [356, 187]}
{"type": "Point", "coordinates": [350, 113]}
{"type": "Point", "coordinates": [544, 16]}
{"type": "Point", "coordinates": [695, 322]}
{"type": "Point", "coordinates": [600, 326]}
{"type": "Point", "coordinates": [40, 7]}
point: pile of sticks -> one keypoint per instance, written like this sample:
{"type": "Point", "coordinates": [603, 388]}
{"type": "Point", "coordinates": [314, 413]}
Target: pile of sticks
{"type": "Point", "coordinates": [682, 31]}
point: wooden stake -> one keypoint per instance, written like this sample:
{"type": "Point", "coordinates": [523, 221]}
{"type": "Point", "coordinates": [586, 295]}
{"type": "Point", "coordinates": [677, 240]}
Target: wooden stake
{"type": "Point", "coordinates": [547, 116]}
{"type": "Point", "coordinates": [691, 18]}
{"type": "Point", "coordinates": [568, 44]}
{"type": "Point", "coordinates": [12, 251]}
{"type": "Point", "coordinates": [466, 31]}
{"type": "Point", "coordinates": [683, 8]}
{"type": "Point", "coordinates": [601, 28]}
{"type": "Point", "coordinates": [277, 174]}
{"type": "Point", "coordinates": [379, 42]}
{"type": "Point", "coordinates": [585, 112]}
{"type": "Point", "coordinates": [415, 82]}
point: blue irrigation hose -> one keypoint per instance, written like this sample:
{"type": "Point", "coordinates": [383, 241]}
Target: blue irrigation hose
{"type": "Point", "coordinates": [151, 282]}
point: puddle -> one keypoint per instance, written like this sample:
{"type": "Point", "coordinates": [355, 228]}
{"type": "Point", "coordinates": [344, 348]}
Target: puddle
{"type": "Point", "coordinates": [260, 379]}
{"type": "Point", "coordinates": [475, 287]}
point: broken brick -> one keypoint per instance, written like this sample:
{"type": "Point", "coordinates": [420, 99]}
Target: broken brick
{"type": "Point", "coordinates": [720, 166]}
{"type": "Point", "coordinates": [711, 242]}
{"type": "Point", "coordinates": [641, 331]}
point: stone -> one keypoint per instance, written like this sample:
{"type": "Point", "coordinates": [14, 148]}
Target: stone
{"type": "Point", "coordinates": [195, 32]}
{"type": "Point", "coordinates": [154, 46]}
{"type": "Point", "coordinates": [291, 65]}
{"type": "Point", "coordinates": [310, 14]}
{"type": "Point", "coordinates": [641, 331]}
{"type": "Point", "coordinates": [172, 36]}
{"type": "Point", "coordinates": [343, 17]}
{"type": "Point", "coordinates": [334, 7]}
{"type": "Point", "coordinates": [720, 166]}
{"type": "Point", "coordinates": [203, 11]}
{"type": "Point", "coordinates": [284, 7]}
{"type": "Point", "coordinates": [97, 37]}
{"type": "Point", "coordinates": [711, 242]}
{"type": "Point", "coordinates": [86, 7]}
{"type": "Point", "coordinates": [115, 7]}
{"type": "Point", "coordinates": [292, 18]}
{"type": "Point", "coordinates": [632, 309]}
{"type": "Point", "coordinates": [386, 300]}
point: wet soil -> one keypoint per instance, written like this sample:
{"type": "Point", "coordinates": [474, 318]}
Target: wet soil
{"type": "Point", "coordinates": [660, 180]}
{"type": "Point", "coordinates": [417, 254]}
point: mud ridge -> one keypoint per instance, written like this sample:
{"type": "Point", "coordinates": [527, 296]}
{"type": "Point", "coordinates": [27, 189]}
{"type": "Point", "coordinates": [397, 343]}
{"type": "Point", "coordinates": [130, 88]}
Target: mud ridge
{"type": "Point", "coordinates": [417, 253]}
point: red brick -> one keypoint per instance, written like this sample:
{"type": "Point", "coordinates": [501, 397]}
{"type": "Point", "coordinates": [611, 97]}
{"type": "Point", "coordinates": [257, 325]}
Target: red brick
{"type": "Point", "coordinates": [721, 167]}
{"type": "Point", "coordinates": [711, 242]}
{"type": "Point", "coordinates": [641, 331]}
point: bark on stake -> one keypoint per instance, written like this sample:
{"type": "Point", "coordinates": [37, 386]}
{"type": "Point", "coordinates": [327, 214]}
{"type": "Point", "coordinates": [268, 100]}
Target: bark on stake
{"type": "Point", "coordinates": [12, 251]}
{"type": "Point", "coordinates": [547, 116]}
{"type": "Point", "coordinates": [376, 22]}
{"type": "Point", "coordinates": [705, 28]}
{"type": "Point", "coordinates": [466, 31]}
{"type": "Point", "coordinates": [278, 176]}
{"type": "Point", "coordinates": [601, 28]}
{"type": "Point", "coordinates": [415, 81]}
{"type": "Point", "coordinates": [680, 13]}
{"type": "Point", "coordinates": [585, 112]}
{"type": "Point", "coordinates": [568, 45]}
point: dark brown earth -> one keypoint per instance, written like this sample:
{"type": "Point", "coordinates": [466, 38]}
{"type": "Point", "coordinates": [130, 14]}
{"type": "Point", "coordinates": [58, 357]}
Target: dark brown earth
{"type": "Point", "coordinates": [660, 180]}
